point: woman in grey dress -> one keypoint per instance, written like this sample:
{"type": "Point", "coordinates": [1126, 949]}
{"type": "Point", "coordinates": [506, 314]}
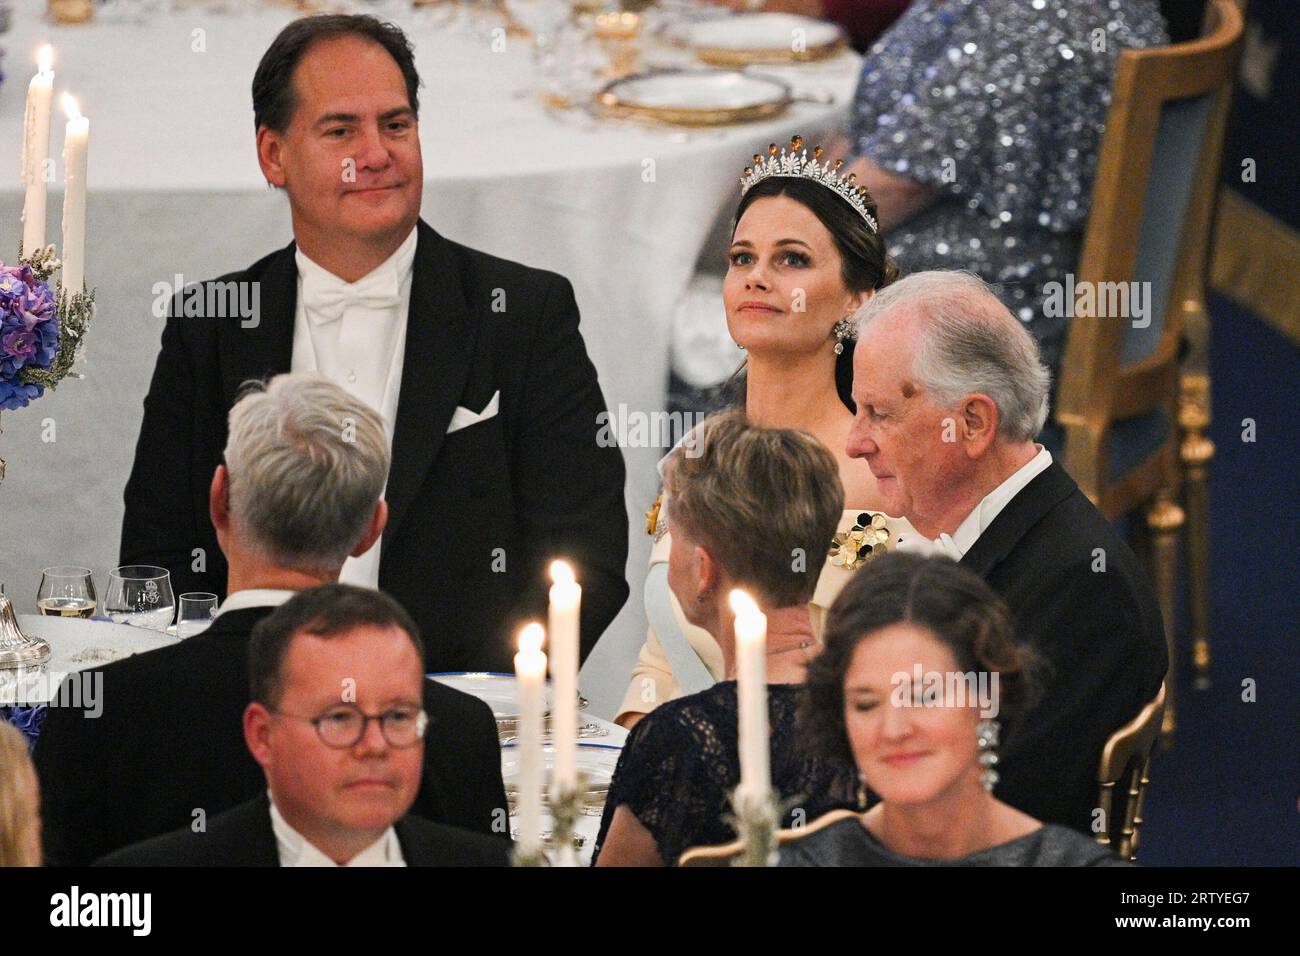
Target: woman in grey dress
{"type": "Point", "coordinates": [919, 674]}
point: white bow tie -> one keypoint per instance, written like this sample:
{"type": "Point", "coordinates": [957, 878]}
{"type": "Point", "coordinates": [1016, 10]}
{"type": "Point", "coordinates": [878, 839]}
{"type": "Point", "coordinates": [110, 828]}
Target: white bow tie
{"type": "Point", "coordinates": [942, 545]}
{"type": "Point", "coordinates": [325, 297]}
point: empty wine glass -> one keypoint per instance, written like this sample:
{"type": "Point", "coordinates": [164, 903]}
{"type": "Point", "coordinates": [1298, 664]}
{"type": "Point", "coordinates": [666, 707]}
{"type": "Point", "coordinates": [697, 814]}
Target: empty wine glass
{"type": "Point", "coordinates": [140, 595]}
{"type": "Point", "coordinates": [196, 610]}
{"type": "Point", "coordinates": [568, 65]}
{"type": "Point", "coordinates": [66, 591]}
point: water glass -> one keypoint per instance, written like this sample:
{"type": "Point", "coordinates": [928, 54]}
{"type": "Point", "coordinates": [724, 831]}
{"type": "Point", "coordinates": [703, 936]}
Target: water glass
{"type": "Point", "coordinates": [197, 608]}
{"type": "Point", "coordinates": [140, 595]}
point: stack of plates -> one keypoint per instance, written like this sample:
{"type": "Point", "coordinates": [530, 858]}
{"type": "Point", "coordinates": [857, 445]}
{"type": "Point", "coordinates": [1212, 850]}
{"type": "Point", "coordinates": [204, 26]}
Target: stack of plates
{"type": "Point", "coordinates": [501, 693]}
{"type": "Point", "coordinates": [595, 762]}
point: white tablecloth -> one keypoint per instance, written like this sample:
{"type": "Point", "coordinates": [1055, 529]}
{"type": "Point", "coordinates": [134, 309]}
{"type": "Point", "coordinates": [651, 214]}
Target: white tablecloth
{"type": "Point", "coordinates": [75, 645]}
{"type": "Point", "coordinates": [175, 189]}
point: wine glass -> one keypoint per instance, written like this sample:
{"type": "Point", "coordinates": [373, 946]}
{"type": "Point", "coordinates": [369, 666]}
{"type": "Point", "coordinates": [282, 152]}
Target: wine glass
{"type": "Point", "coordinates": [66, 591]}
{"type": "Point", "coordinates": [568, 65]}
{"type": "Point", "coordinates": [140, 595]}
{"type": "Point", "coordinates": [197, 608]}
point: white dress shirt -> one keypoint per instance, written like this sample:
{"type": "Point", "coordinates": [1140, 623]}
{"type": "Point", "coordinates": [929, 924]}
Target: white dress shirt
{"type": "Point", "coordinates": [956, 545]}
{"type": "Point", "coordinates": [354, 334]}
{"type": "Point", "coordinates": [253, 597]}
{"type": "Point", "coordinates": [295, 850]}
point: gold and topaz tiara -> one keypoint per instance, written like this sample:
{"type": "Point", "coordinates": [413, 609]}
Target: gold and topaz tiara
{"type": "Point", "coordinates": [796, 164]}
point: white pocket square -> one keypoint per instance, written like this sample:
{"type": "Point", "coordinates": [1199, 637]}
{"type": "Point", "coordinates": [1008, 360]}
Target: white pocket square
{"type": "Point", "coordinates": [463, 417]}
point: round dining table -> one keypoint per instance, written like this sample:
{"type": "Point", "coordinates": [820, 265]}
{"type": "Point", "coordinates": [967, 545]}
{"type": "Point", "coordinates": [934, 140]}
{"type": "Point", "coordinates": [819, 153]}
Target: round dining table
{"type": "Point", "coordinates": [624, 209]}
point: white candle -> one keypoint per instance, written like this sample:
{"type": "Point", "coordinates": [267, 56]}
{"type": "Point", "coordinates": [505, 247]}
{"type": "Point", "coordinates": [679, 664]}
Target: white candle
{"type": "Point", "coordinates": [530, 673]}
{"type": "Point", "coordinates": [751, 677]}
{"type": "Point", "coordinates": [36, 150]}
{"type": "Point", "coordinates": [76, 138]}
{"type": "Point", "coordinates": [562, 629]}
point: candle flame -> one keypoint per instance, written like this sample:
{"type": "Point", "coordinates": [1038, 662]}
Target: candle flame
{"type": "Point", "coordinates": [70, 107]}
{"type": "Point", "coordinates": [45, 58]}
{"type": "Point", "coordinates": [743, 605]}
{"type": "Point", "coordinates": [531, 638]}
{"type": "Point", "coordinates": [561, 573]}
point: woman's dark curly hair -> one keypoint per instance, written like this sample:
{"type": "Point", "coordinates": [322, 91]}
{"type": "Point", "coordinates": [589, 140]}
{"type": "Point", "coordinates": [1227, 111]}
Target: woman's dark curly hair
{"type": "Point", "coordinates": [950, 601]}
{"type": "Point", "coordinates": [865, 263]}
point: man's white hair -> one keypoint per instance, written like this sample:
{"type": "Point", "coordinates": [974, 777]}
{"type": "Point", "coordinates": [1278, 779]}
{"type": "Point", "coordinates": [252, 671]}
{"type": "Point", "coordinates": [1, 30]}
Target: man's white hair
{"type": "Point", "coordinates": [969, 343]}
{"type": "Point", "coordinates": [307, 464]}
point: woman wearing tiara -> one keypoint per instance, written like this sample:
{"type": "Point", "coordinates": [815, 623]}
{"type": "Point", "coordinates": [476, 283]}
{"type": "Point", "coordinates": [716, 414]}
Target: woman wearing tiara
{"type": "Point", "coordinates": [805, 254]}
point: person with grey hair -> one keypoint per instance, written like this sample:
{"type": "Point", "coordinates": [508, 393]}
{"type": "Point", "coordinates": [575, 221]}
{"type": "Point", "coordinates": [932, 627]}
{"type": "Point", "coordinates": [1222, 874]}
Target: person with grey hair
{"type": "Point", "coordinates": [298, 494]}
{"type": "Point", "coordinates": [950, 395]}
{"type": "Point", "coordinates": [300, 487]}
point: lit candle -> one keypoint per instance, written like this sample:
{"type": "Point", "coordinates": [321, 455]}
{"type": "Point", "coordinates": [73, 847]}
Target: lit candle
{"type": "Point", "coordinates": [530, 674]}
{"type": "Point", "coordinates": [751, 678]}
{"type": "Point", "coordinates": [36, 150]}
{"type": "Point", "coordinates": [562, 627]}
{"type": "Point", "coordinates": [76, 138]}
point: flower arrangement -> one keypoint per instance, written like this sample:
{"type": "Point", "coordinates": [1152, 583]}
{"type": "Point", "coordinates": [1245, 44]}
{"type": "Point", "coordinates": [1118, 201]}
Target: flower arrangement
{"type": "Point", "coordinates": [41, 329]}
{"type": "Point", "coordinates": [29, 334]}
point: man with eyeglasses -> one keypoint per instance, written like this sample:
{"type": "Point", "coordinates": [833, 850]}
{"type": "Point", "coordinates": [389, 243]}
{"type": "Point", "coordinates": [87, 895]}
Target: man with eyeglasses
{"type": "Point", "coordinates": [299, 490]}
{"type": "Point", "coordinates": [337, 723]}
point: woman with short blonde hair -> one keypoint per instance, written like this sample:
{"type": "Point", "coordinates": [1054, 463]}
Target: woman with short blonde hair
{"type": "Point", "coordinates": [752, 509]}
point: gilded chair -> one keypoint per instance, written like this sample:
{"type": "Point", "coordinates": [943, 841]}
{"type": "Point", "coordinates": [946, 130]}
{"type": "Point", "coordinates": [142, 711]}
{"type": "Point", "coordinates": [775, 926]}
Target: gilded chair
{"type": "Point", "coordinates": [727, 854]}
{"type": "Point", "coordinates": [1124, 772]}
{"type": "Point", "coordinates": [1117, 407]}
{"type": "Point", "coordinates": [1196, 449]}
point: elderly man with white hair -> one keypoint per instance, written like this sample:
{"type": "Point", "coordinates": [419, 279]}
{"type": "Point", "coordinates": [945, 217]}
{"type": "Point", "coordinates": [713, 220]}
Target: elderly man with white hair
{"type": "Point", "coordinates": [299, 492]}
{"type": "Point", "coordinates": [950, 395]}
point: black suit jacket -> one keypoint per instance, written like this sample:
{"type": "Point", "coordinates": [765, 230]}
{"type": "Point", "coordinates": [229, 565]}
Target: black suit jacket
{"type": "Point", "coordinates": [1100, 631]}
{"type": "Point", "coordinates": [243, 836]}
{"type": "Point", "coordinates": [474, 516]}
{"type": "Point", "coordinates": [170, 741]}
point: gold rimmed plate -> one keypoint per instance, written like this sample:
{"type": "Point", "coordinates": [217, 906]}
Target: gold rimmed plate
{"type": "Point", "coordinates": [696, 97]}
{"type": "Point", "coordinates": [764, 38]}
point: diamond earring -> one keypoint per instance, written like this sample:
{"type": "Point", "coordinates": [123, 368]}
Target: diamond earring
{"type": "Point", "coordinates": [844, 329]}
{"type": "Point", "coordinates": [988, 741]}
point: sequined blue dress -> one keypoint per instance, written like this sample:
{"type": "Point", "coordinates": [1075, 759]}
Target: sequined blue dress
{"type": "Point", "coordinates": [999, 105]}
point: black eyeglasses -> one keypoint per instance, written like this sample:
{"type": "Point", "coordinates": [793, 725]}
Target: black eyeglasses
{"type": "Point", "coordinates": [343, 725]}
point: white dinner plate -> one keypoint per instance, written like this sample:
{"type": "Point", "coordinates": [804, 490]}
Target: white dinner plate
{"type": "Point", "coordinates": [702, 96]}
{"type": "Point", "coordinates": [765, 37]}
{"type": "Point", "coordinates": [498, 691]}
